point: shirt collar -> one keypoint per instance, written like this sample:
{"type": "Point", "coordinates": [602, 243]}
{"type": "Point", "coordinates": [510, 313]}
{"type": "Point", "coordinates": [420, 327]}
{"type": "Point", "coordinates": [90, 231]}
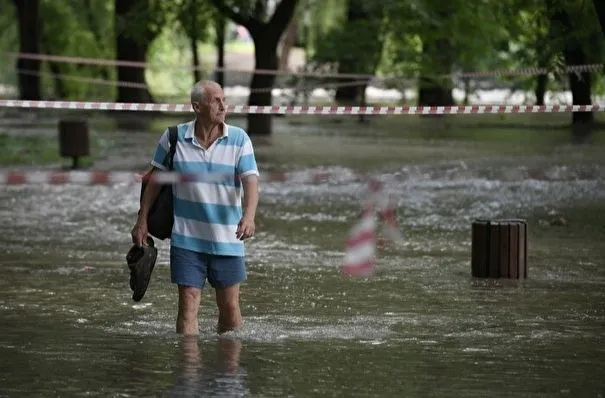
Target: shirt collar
{"type": "Point", "coordinates": [191, 130]}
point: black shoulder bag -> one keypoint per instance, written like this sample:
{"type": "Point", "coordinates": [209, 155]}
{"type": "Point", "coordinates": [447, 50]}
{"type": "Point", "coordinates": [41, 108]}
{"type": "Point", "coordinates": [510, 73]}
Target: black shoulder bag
{"type": "Point", "coordinates": [161, 215]}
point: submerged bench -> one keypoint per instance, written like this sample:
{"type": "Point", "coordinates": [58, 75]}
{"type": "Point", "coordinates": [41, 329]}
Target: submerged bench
{"type": "Point", "coordinates": [499, 249]}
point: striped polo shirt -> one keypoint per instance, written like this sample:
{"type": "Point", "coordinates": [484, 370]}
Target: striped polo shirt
{"type": "Point", "coordinates": [207, 212]}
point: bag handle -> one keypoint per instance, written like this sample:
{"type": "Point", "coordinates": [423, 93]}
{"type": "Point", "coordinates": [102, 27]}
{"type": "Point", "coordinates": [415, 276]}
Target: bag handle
{"type": "Point", "coordinates": [172, 138]}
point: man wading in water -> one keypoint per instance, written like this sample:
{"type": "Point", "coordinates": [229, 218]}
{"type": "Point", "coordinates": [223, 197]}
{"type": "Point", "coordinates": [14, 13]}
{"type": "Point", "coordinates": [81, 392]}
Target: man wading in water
{"type": "Point", "coordinates": [210, 224]}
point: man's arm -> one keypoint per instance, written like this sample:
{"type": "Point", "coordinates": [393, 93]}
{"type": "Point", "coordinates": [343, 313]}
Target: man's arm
{"type": "Point", "coordinates": [246, 227]}
{"type": "Point", "coordinates": [152, 190]}
{"type": "Point", "coordinates": [250, 184]}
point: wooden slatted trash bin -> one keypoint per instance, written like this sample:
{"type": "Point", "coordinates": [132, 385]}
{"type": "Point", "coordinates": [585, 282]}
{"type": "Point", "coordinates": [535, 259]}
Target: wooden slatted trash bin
{"type": "Point", "coordinates": [73, 140]}
{"type": "Point", "coordinates": [499, 249]}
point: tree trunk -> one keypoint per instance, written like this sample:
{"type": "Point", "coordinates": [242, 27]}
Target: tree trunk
{"type": "Point", "coordinates": [265, 57]}
{"type": "Point", "coordinates": [579, 83]}
{"type": "Point", "coordinates": [435, 83]}
{"type": "Point", "coordinates": [60, 90]}
{"type": "Point", "coordinates": [290, 38]}
{"type": "Point", "coordinates": [436, 91]}
{"type": "Point", "coordinates": [361, 17]}
{"type": "Point", "coordinates": [266, 37]}
{"type": "Point", "coordinates": [545, 54]}
{"type": "Point", "coordinates": [362, 102]}
{"type": "Point", "coordinates": [467, 87]}
{"type": "Point", "coordinates": [29, 36]}
{"type": "Point", "coordinates": [196, 59]}
{"type": "Point", "coordinates": [220, 49]}
{"type": "Point", "coordinates": [540, 90]}
{"type": "Point", "coordinates": [433, 93]}
{"type": "Point", "coordinates": [129, 49]}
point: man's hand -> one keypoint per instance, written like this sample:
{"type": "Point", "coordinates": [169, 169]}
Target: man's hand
{"type": "Point", "coordinates": [139, 233]}
{"type": "Point", "coordinates": [245, 228]}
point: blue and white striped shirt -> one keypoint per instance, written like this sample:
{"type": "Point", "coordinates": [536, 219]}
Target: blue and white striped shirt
{"type": "Point", "coordinates": [206, 213]}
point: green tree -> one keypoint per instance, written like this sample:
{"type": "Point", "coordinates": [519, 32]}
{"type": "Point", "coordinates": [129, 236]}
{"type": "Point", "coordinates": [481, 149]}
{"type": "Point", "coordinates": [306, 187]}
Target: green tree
{"type": "Point", "coordinates": [576, 36]}
{"type": "Point", "coordinates": [266, 30]}
{"type": "Point", "coordinates": [355, 47]}
{"type": "Point", "coordinates": [137, 24]}
{"type": "Point", "coordinates": [195, 17]}
{"type": "Point", "coordinates": [443, 38]}
{"type": "Point", "coordinates": [29, 42]}
{"type": "Point", "coordinates": [220, 24]}
{"type": "Point", "coordinates": [73, 30]}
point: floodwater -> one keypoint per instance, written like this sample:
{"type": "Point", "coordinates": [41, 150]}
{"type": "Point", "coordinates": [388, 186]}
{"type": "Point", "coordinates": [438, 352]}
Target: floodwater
{"type": "Point", "coordinates": [420, 327]}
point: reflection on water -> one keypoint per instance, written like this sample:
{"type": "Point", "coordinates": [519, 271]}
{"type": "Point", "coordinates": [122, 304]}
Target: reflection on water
{"type": "Point", "coordinates": [195, 377]}
{"type": "Point", "coordinates": [420, 327]}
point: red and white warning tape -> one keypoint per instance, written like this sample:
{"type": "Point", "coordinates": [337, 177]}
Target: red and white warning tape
{"type": "Point", "coordinates": [54, 177]}
{"type": "Point", "coordinates": [309, 110]}
{"type": "Point", "coordinates": [66, 177]}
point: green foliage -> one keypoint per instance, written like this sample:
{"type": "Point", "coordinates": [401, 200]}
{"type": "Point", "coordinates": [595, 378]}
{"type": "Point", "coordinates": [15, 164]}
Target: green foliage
{"type": "Point", "coordinates": [68, 29]}
{"type": "Point", "coordinates": [78, 31]}
{"type": "Point", "coordinates": [320, 17]}
{"type": "Point", "coordinates": [251, 9]}
{"type": "Point", "coordinates": [428, 37]}
{"type": "Point", "coordinates": [484, 36]}
{"type": "Point", "coordinates": [170, 49]}
{"type": "Point", "coordinates": [146, 19]}
{"type": "Point", "coordinates": [9, 42]}
{"type": "Point", "coordinates": [353, 42]}
{"type": "Point", "coordinates": [472, 32]}
{"type": "Point", "coordinates": [195, 17]}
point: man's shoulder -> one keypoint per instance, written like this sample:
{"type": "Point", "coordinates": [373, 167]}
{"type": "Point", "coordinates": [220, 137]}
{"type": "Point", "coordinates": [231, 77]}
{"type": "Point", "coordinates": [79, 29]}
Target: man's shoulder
{"type": "Point", "coordinates": [237, 135]}
{"type": "Point", "coordinates": [183, 127]}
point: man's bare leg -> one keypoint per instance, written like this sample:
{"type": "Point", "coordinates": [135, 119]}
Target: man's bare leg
{"type": "Point", "coordinates": [227, 300]}
{"type": "Point", "coordinates": [189, 305]}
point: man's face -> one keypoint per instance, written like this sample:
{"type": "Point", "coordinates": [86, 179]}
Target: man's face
{"type": "Point", "coordinates": [213, 107]}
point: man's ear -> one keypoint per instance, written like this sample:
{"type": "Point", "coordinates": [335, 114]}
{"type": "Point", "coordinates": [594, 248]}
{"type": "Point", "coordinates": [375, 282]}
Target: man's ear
{"type": "Point", "coordinates": [195, 106]}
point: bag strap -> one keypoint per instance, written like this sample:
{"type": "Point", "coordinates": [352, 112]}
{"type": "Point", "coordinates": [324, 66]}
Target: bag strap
{"type": "Point", "coordinates": [172, 138]}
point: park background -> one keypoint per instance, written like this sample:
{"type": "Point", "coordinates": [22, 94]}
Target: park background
{"type": "Point", "coordinates": [421, 325]}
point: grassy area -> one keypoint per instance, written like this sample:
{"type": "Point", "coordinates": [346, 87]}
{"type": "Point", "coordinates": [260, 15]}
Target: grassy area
{"type": "Point", "coordinates": [343, 141]}
{"type": "Point", "coordinates": [518, 129]}
{"type": "Point", "coordinates": [34, 150]}
{"type": "Point", "coordinates": [328, 140]}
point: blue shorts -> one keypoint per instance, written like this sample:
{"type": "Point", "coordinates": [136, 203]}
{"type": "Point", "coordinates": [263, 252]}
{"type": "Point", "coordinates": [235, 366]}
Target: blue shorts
{"type": "Point", "coordinates": [189, 268]}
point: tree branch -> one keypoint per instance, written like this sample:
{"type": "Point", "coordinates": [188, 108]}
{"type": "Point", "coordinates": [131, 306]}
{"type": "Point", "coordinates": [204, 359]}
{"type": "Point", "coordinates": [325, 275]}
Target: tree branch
{"type": "Point", "coordinates": [235, 16]}
{"type": "Point", "coordinates": [260, 10]}
{"type": "Point", "coordinates": [282, 15]}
